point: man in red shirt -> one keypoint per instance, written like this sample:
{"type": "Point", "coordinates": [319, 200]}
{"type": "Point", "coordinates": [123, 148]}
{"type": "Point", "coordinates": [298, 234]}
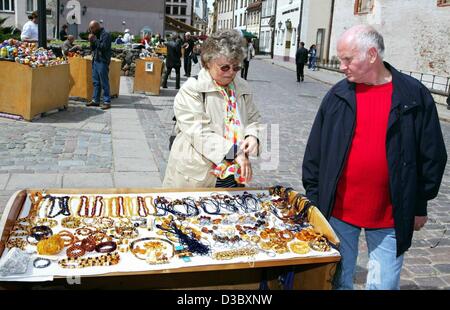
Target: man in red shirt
{"type": "Point", "coordinates": [374, 158]}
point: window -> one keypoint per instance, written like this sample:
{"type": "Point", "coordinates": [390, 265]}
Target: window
{"type": "Point", "coordinates": [30, 6]}
{"type": "Point", "coordinates": [236, 4]}
{"type": "Point", "coordinates": [363, 6]}
{"type": "Point", "coordinates": [242, 3]}
{"type": "Point", "coordinates": [7, 5]}
{"type": "Point", "coordinates": [235, 20]}
{"type": "Point", "coordinates": [443, 3]}
{"type": "Point", "coordinates": [168, 9]}
{"type": "Point", "coordinates": [240, 20]}
{"type": "Point", "coordinates": [175, 10]}
{"type": "Point", "coordinates": [183, 10]}
{"type": "Point", "coordinates": [183, 20]}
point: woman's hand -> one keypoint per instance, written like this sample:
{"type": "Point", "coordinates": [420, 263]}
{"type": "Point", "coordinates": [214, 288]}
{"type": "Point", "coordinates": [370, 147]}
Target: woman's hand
{"type": "Point", "coordinates": [246, 167]}
{"type": "Point", "coordinates": [250, 146]}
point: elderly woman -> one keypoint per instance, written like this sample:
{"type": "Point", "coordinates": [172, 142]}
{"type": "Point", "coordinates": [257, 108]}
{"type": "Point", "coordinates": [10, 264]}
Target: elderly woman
{"type": "Point", "coordinates": [217, 122]}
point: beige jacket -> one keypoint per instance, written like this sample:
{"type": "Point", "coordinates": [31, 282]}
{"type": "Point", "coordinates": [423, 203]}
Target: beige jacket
{"type": "Point", "coordinates": [200, 129]}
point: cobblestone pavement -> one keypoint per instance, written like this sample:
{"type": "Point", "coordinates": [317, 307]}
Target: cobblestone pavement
{"type": "Point", "coordinates": [52, 151]}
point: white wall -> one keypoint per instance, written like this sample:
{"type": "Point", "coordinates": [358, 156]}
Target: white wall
{"type": "Point", "coordinates": [316, 15]}
{"type": "Point", "coordinates": [280, 51]}
{"type": "Point", "coordinates": [416, 32]}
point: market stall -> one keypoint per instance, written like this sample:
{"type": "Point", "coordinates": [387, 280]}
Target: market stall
{"type": "Point", "coordinates": [34, 80]}
{"type": "Point", "coordinates": [147, 78]}
{"type": "Point", "coordinates": [81, 85]}
{"type": "Point", "coordinates": [167, 239]}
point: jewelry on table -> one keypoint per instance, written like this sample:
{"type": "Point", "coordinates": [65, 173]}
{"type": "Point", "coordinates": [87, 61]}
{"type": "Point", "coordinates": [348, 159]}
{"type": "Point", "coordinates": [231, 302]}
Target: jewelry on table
{"type": "Point", "coordinates": [41, 263]}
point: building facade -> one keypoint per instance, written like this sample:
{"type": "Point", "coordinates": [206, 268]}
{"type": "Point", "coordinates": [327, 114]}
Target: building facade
{"type": "Point", "coordinates": [201, 8]}
{"type": "Point", "coordinates": [212, 20]}
{"type": "Point", "coordinates": [225, 14]}
{"type": "Point", "coordinates": [200, 24]}
{"type": "Point", "coordinates": [286, 26]}
{"type": "Point", "coordinates": [416, 33]}
{"type": "Point", "coordinates": [115, 15]}
{"type": "Point", "coordinates": [17, 11]}
{"type": "Point", "coordinates": [254, 18]}
{"type": "Point", "coordinates": [182, 10]}
{"type": "Point", "coordinates": [267, 27]}
{"type": "Point", "coordinates": [306, 21]}
{"type": "Point", "coordinates": [240, 14]}
{"type": "Point", "coordinates": [201, 15]}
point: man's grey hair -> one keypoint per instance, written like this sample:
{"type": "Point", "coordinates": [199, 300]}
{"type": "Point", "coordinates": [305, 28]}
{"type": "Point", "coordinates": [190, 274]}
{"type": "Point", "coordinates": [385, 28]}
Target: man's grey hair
{"type": "Point", "coordinates": [366, 37]}
{"type": "Point", "coordinates": [227, 43]}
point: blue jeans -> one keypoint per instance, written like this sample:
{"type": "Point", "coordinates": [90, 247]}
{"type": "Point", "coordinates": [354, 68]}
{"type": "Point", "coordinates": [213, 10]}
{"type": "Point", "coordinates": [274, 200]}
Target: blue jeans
{"type": "Point", "coordinates": [384, 266]}
{"type": "Point", "coordinates": [312, 63]}
{"type": "Point", "coordinates": [100, 77]}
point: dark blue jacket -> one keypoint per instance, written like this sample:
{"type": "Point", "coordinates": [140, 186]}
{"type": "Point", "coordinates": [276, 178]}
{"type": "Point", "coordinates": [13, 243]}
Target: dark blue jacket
{"type": "Point", "coordinates": [173, 59]}
{"type": "Point", "coordinates": [101, 47]}
{"type": "Point", "coordinates": [415, 150]}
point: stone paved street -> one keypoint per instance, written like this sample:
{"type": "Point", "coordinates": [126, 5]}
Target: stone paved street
{"type": "Point", "coordinates": [127, 146]}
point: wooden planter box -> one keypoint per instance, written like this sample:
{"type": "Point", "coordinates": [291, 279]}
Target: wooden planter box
{"type": "Point", "coordinates": [28, 92]}
{"type": "Point", "coordinates": [148, 81]}
{"type": "Point", "coordinates": [81, 85]}
{"type": "Point", "coordinates": [310, 272]}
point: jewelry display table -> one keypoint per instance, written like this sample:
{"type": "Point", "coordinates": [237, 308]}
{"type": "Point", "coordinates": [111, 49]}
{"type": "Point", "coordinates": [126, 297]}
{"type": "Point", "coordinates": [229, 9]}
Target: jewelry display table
{"type": "Point", "coordinates": [178, 239]}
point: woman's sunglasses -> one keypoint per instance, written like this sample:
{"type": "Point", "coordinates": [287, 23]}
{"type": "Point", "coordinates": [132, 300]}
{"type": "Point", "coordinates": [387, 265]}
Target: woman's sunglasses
{"type": "Point", "coordinates": [226, 68]}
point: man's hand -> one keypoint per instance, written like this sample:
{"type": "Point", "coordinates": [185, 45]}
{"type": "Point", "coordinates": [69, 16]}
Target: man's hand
{"type": "Point", "coordinates": [419, 222]}
{"type": "Point", "coordinates": [246, 167]}
{"type": "Point", "coordinates": [92, 37]}
{"type": "Point", "coordinates": [250, 146]}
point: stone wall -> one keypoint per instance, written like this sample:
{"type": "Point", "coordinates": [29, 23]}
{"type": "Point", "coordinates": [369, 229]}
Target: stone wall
{"type": "Point", "coordinates": [416, 32]}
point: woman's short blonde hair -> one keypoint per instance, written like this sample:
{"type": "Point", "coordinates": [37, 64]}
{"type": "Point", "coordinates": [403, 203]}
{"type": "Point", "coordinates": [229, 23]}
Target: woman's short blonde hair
{"type": "Point", "coordinates": [227, 43]}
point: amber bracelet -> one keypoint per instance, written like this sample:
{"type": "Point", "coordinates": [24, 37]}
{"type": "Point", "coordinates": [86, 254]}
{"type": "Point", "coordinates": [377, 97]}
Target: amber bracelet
{"type": "Point", "coordinates": [67, 237]}
{"type": "Point", "coordinates": [40, 232]}
{"type": "Point", "coordinates": [46, 222]}
{"type": "Point", "coordinates": [88, 244]}
{"type": "Point", "coordinates": [103, 260]}
{"type": "Point", "coordinates": [71, 222]}
{"type": "Point", "coordinates": [106, 247]}
{"type": "Point", "coordinates": [84, 231]}
{"type": "Point", "coordinates": [75, 251]}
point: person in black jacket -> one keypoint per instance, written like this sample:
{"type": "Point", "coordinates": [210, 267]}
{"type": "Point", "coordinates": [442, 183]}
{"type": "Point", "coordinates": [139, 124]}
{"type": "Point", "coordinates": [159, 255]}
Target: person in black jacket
{"type": "Point", "coordinates": [173, 61]}
{"type": "Point", "coordinates": [101, 52]}
{"type": "Point", "coordinates": [301, 58]}
{"type": "Point", "coordinates": [63, 33]}
{"type": "Point", "coordinates": [401, 165]}
{"type": "Point", "coordinates": [188, 46]}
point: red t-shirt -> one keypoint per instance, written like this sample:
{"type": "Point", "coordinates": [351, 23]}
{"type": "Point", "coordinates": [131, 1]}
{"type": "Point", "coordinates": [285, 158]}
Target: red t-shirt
{"type": "Point", "coordinates": [362, 194]}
